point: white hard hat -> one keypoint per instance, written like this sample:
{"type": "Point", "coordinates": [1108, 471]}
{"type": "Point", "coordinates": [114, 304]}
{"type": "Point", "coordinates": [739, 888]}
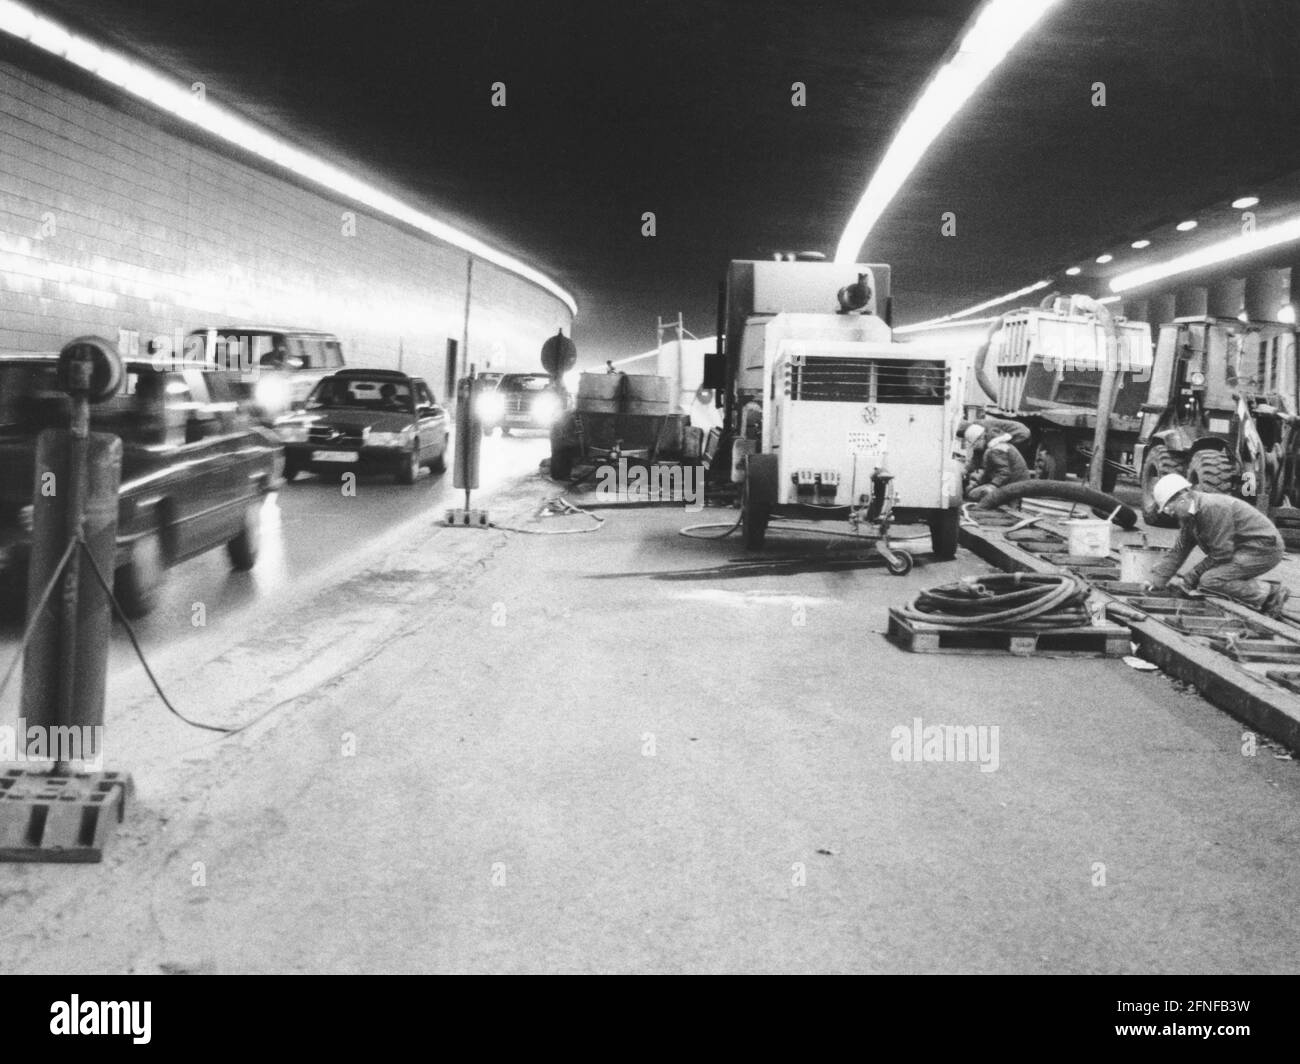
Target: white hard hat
{"type": "Point", "coordinates": [974, 432]}
{"type": "Point", "coordinates": [1167, 487]}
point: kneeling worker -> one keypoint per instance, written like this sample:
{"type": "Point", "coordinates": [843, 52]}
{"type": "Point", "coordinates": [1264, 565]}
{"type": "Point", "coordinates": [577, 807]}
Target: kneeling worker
{"type": "Point", "coordinates": [1002, 464]}
{"type": "Point", "coordinates": [1239, 542]}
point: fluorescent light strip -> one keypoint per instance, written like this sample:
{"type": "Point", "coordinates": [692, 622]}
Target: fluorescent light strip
{"type": "Point", "coordinates": [1036, 286]}
{"type": "Point", "coordinates": [1246, 244]}
{"type": "Point", "coordinates": [992, 34]}
{"type": "Point", "coordinates": [964, 323]}
{"type": "Point", "coordinates": [176, 99]}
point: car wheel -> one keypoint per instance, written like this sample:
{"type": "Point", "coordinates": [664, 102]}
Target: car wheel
{"type": "Point", "coordinates": [487, 430]}
{"type": "Point", "coordinates": [136, 583]}
{"type": "Point", "coordinates": [439, 464]}
{"type": "Point", "coordinates": [243, 548]}
{"type": "Point", "coordinates": [291, 471]}
{"type": "Point", "coordinates": [410, 467]}
{"type": "Point", "coordinates": [505, 431]}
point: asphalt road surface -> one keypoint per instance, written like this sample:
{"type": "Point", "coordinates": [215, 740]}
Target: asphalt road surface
{"type": "Point", "coordinates": [630, 751]}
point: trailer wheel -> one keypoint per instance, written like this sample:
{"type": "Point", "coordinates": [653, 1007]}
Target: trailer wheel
{"type": "Point", "coordinates": [756, 497]}
{"type": "Point", "coordinates": [944, 526]}
{"type": "Point", "coordinates": [904, 564]}
{"type": "Point", "coordinates": [1158, 463]}
{"type": "Point", "coordinates": [1051, 457]}
{"type": "Point", "coordinates": [1211, 471]}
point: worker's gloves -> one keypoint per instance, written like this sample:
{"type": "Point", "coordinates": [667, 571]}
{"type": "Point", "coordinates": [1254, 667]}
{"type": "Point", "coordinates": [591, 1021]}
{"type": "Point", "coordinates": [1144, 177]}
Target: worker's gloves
{"type": "Point", "coordinates": [1184, 584]}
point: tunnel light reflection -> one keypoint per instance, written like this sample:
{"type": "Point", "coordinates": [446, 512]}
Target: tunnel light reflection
{"type": "Point", "coordinates": [1017, 294]}
{"type": "Point", "coordinates": [993, 33]}
{"type": "Point", "coordinates": [1212, 255]}
{"type": "Point", "coordinates": [176, 99]}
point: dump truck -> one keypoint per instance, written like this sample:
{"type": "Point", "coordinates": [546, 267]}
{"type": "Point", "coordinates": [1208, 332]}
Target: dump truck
{"type": "Point", "coordinates": [825, 416]}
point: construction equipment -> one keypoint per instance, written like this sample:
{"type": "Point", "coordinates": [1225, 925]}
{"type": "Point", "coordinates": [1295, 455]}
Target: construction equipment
{"type": "Point", "coordinates": [1053, 365]}
{"type": "Point", "coordinates": [622, 416]}
{"type": "Point", "coordinates": [825, 416]}
{"type": "Point", "coordinates": [1221, 411]}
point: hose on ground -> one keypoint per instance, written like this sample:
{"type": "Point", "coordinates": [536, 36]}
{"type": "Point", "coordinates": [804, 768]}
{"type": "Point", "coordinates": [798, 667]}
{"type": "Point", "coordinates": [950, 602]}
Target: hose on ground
{"type": "Point", "coordinates": [1031, 600]}
{"type": "Point", "coordinates": [1109, 506]}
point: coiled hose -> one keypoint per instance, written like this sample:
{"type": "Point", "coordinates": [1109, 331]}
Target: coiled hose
{"type": "Point", "coordinates": [1026, 600]}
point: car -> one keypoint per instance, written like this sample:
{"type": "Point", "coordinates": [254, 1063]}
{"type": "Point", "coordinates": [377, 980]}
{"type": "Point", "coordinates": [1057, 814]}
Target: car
{"type": "Point", "coordinates": [275, 367]}
{"type": "Point", "coordinates": [520, 401]}
{"type": "Point", "coordinates": [368, 420]}
{"type": "Point", "coordinates": [195, 468]}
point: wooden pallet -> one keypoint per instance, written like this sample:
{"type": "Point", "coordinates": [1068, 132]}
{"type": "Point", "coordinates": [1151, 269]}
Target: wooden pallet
{"type": "Point", "coordinates": [1092, 641]}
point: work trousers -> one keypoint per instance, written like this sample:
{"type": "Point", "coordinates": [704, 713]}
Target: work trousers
{"type": "Point", "coordinates": [1236, 578]}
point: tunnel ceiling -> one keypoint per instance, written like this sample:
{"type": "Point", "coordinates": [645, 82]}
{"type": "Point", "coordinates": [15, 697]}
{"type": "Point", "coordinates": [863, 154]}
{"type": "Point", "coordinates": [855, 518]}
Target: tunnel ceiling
{"type": "Point", "coordinates": [684, 109]}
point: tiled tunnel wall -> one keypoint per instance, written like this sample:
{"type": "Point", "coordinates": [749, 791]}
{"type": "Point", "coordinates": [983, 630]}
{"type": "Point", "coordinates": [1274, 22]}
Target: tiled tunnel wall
{"type": "Point", "coordinates": [114, 225]}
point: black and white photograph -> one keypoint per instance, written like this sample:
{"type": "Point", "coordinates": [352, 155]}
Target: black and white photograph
{"type": "Point", "coordinates": [649, 487]}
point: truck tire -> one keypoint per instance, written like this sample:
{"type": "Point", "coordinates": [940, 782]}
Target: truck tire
{"type": "Point", "coordinates": [562, 461]}
{"type": "Point", "coordinates": [943, 533]}
{"type": "Point", "coordinates": [1211, 471]}
{"type": "Point", "coordinates": [756, 497]}
{"type": "Point", "coordinates": [1157, 464]}
{"type": "Point", "coordinates": [1051, 457]}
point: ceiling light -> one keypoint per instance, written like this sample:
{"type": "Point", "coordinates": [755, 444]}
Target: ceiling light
{"type": "Point", "coordinates": [1103, 259]}
{"type": "Point", "coordinates": [170, 96]}
{"type": "Point", "coordinates": [993, 32]}
{"type": "Point", "coordinates": [1186, 226]}
{"type": "Point", "coordinates": [1235, 247]}
{"type": "Point", "coordinates": [1073, 271]}
{"type": "Point", "coordinates": [1244, 202]}
{"type": "Point", "coordinates": [1139, 244]}
{"type": "Point", "coordinates": [976, 308]}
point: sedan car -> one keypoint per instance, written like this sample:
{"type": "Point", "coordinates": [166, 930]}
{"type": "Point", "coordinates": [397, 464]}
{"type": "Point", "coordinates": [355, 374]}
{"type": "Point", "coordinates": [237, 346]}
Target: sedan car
{"type": "Point", "coordinates": [194, 468]}
{"type": "Point", "coordinates": [367, 420]}
{"type": "Point", "coordinates": [520, 401]}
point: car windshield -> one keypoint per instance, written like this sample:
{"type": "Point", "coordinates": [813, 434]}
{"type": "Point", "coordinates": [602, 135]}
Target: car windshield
{"type": "Point", "coordinates": [361, 393]}
{"type": "Point", "coordinates": [525, 383]}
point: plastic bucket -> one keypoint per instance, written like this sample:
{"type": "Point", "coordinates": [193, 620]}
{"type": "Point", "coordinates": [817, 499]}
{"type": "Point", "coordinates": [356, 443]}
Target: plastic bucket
{"type": "Point", "coordinates": [1137, 564]}
{"type": "Point", "coordinates": [1088, 538]}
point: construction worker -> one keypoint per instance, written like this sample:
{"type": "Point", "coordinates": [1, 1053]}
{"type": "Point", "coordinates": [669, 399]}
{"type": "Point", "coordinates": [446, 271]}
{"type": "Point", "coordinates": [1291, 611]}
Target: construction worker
{"type": "Point", "coordinates": [978, 433]}
{"type": "Point", "coordinates": [1239, 542]}
{"type": "Point", "coordinates": [1000, 464]}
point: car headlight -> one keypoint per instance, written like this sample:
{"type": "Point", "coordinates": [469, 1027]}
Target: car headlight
{"type": "Point", "coordinates": [546, 408]}
{"type": "Point", "coordinates": [490, 407]}
{"type": "Point", "coordinates": [387, 439]}
{"type": "Point", "coordinates": [292, 432]}
{"type": "Point", "coordinates": [271, 393]}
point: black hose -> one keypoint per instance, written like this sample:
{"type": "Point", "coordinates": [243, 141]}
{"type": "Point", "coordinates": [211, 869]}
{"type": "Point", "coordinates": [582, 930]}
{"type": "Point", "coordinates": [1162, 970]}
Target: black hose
{"type": "Point", "coordinates": [1024, 600]}
{"type": "Point", "coordinates": [1106, 505]}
